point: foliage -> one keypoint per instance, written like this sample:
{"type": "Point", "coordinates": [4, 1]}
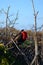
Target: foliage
{"type": "Point", "coordinates": [26, 43]}
{"type": "Point", "coordinates": [6, 57]}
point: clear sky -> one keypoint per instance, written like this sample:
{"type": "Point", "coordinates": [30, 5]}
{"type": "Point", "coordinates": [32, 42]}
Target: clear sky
{"type": "Point", "coordinates": [25, 17]}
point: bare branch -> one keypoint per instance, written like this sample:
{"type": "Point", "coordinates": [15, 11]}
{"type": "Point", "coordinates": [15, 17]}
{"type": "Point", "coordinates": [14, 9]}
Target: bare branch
{"type": "Point", "coordinates": [33, 7]}
{"type": "Point", "coordinates": [35, 37]}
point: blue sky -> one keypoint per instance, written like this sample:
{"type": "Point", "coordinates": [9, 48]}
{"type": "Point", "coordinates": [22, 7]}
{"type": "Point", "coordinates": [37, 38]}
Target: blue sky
{"type": "Point", "coordinates": [25, 16]}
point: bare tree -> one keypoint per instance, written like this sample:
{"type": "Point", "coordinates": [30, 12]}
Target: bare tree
{"type": "Point", "coordinates": [35, 37]}
{"type": "Point", "coordinates": [8, 21]}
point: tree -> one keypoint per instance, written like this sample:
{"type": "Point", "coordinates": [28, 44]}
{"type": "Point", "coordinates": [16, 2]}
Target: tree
{"type": "Point", "coordinates": [9, 22]}
{"type": "Point", "coordinates": [35, 37]}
